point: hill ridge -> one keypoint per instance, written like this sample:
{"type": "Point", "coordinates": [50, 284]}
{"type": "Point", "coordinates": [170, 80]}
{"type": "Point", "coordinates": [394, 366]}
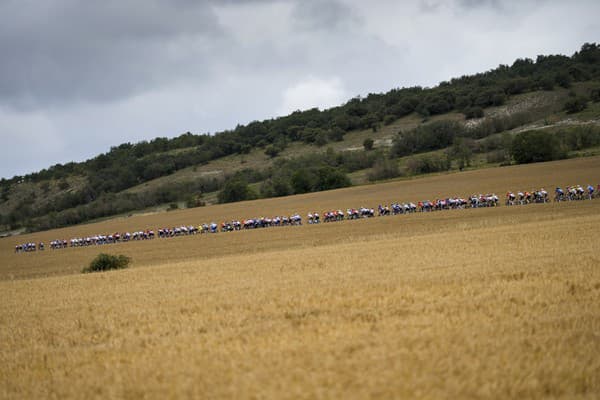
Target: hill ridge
{"type": "Point", "coordinates": [107, 184]}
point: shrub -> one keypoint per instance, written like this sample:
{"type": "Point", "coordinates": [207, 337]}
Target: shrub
{"type": "Point", "coordinates": [106, 262]}
{"type": "Point", "coordinates": [575, 105]}
{"type": "Point", "coordinates": [473, 112]}
{"type": "Point", "coordinates": [536, 146]}
{"type": "Point", "coordinates": [272, 151]}
{"type": "Point", "coordinates": [425, 164]}
{"type": "Point", "coordinates": [595, 94]}
{"type": "Point", "coordinates": [384, 168]}
{"type": "Point", "coordinates": [497, 156]}
{"type": "Point", "coordinates": [433, 136]}
{"type": "Point", "coordinates": [389, 119]}
{"type": "Point", "coordinates": [336, 134]}
{"type": "Point", "coordinates": [276, 187]}
{"type": "Point", "coordinates": [236, 189]}
{"type": "Point", "coordinates": [368, 144]}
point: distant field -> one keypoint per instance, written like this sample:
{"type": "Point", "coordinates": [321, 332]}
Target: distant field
{"type": "Point", "coordinates": [498, 180]}
{"type": "Point", "coordinates": [495, 303]}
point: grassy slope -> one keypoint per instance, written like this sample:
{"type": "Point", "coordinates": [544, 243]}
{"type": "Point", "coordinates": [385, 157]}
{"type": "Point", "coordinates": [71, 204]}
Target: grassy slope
{"type": "Point", "coordinates": [545, 106]}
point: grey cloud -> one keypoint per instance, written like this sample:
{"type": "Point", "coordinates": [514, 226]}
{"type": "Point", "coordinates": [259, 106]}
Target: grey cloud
{"type": "Point", "coordinates": [132, 70]}
{"type": "Point", "coordinates": [498, 4]}
{"type": "Point", "coordinates": [62, 51]}
{"type": "Point", "coordinates": [429, 6]}
{"type": "Point", "coordinates": [324, 15]}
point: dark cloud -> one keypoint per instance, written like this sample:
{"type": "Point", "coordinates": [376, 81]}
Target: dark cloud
{"type": "Point", "coordinates": [497, 4]}
{"type": "Point", "coordinates": [324, 15]}
{"type": "Point", "coordinates": [77, 77]}
{"type": "Point", "coordinates": [63, 51]}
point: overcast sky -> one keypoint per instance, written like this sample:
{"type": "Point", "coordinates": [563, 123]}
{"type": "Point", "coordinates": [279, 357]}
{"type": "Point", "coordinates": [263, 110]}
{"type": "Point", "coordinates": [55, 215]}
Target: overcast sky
{"type": "Point", "coordinates": [77, 77]}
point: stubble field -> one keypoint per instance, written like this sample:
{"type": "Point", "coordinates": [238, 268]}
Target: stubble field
{"type": "Point", "coordinates": [468, 303]}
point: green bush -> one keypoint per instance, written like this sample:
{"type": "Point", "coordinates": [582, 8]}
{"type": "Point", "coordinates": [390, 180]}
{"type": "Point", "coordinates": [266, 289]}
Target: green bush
{"type": "Point", "coordinates": [272, 151]}
{"type": "Point", "coordinates": [427, 163]}
{"type": "Point", "coordinates": [384, 168]}
{"type": "Point", "coordinates": [106, 262]}
{"type": "Point", "coordinates": [497, 156]}
{"type": "Point", "coordinates": [473, 112]}
{"type": "Point", "coordinates": [433, 136]}
{"type": "Point", "coordinates": [236, 189]}
{"type": "Point", "coordinates": [575, 105]}
{"type": "Point", "coordinates": [536, 146]}
{"type": "Point", "coordinates": [595, 94]}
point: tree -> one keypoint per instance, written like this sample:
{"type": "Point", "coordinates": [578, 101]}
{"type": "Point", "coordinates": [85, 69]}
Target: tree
{"type": "Point", "coordinates": [425, 164]}
{"type": "Point", "coordinates": [63, 184]}
{"type": "Point", "coordinates": [536, 146]}
{"type": "Point", "coordinates": [563, 79]}
{"type": "Point", "coordinates": [336, 134]}
{"type": "Point", "coordinates": [368, 144]}
{"type": "Point", "coordinates": [303, 181]}
{"type": "Point", "coordinates": [473, 112]}
{"type": "Point", "coordinates": [595, 94]}
{"type": "Point", "coordinates": [461, 151]}
{"type": "Point", "coordinates": [331, 178]}
{"type": "Point", "coordinates": [235, 189]}
{"type": "Point", "coordinates": [276, 187]}
{"type": "Point", "coordinates": [575, 105]}
{"type": "Point", "coordinates": [384, 168]}
{"type": "Point", "coordinates": [272, 151]}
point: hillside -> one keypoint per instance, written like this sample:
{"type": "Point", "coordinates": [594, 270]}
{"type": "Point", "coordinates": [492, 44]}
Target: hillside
{"type": "Point", "coordinates": [465, 123]}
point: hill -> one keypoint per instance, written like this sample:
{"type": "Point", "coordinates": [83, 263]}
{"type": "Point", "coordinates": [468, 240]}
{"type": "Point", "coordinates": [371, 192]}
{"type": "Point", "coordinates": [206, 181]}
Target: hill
{"type": "Point", "coordinates": [467, 122]}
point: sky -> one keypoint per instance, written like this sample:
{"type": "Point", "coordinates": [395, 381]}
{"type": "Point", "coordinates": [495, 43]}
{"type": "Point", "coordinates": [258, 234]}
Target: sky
{"type": "Point", "coordinates": [77, 77]}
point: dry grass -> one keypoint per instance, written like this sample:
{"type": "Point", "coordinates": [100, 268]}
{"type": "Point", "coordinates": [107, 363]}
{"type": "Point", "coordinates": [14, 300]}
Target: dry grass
{"type": "Point", "coordinates": [499, 303]}
{"type": "Point", "coordinates": [499, 180]}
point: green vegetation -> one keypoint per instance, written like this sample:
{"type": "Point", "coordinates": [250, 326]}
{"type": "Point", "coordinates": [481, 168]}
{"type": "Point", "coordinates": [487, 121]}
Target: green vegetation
{"type": "Point", "coordinates": [384, 168]}
{"type": "Point", "coordinates": [536, 146]}
{"type": "Point", "coordinates": [575, 105]}
{"type": "Point", "coordinates": [460, 124]}
{"type": "Point", "coordinates": [236, 189]}
{"type": "Point", "coordinates": [107, 262]}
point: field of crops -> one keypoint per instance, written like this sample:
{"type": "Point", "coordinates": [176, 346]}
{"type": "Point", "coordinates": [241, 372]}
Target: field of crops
{"type": "Point", "coordinates": [500, 302]}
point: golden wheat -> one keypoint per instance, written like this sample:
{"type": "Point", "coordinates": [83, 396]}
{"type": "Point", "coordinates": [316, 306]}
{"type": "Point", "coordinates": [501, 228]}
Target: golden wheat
{"type": "Point", "coordinates": [499, 303]}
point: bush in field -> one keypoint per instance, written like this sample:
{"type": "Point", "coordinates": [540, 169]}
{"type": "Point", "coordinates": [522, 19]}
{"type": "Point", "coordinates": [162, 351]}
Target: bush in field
{"type": "Point", "coordinates": [106, 262]}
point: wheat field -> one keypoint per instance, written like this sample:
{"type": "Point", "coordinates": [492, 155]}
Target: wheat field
{"type": "Point", "coordinates": [486, 303]}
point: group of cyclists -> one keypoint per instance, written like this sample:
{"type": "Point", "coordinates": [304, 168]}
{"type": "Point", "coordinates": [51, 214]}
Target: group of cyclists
{"type": "Point", "coordinates": [575, 192]}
